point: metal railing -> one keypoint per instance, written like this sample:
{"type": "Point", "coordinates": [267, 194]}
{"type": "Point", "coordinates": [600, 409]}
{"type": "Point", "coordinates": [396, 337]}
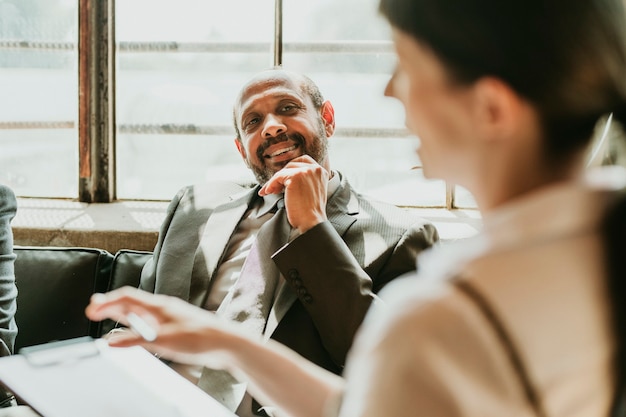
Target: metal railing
{"type": "Point", "coordinates": [195, 129]}
{"type": "Point", "coordinates": [339, 47]}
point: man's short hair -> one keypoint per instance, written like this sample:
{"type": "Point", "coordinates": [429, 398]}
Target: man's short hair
{"type": "Point", "coordinates": [307, 86]}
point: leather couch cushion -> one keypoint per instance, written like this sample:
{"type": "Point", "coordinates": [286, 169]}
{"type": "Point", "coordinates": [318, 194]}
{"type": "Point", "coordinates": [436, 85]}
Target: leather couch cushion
{"type": "Point", "coordinates": [126, 270]}
{"type": "Point", "coordinates": [54, 286]}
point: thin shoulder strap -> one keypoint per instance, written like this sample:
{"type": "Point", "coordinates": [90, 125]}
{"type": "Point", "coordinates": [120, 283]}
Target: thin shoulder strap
{"type": "Point", "coordinates": [512, 352]}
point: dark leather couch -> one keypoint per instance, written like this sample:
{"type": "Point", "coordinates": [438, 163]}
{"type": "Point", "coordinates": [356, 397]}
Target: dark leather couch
{"type": "Point", "coordinates": [54, 286]}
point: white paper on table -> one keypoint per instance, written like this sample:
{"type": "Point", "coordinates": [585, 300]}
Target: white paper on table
{"type": "Point", "coordinates": [87, 378]}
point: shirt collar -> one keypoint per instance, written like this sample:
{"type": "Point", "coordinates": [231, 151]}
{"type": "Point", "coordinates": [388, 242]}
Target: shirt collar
{"type": "Point", "coordinates": [268, 202]}
{"type": "Point", "coordinates": [554, 210]}
{"type": "Point", "coordinates": [333, 183]}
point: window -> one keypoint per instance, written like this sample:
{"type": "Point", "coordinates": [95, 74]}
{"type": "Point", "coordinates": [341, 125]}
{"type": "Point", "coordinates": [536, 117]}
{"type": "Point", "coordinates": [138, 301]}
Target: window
{"type": "Point", "coordinates": [158, 91]}
{"type": "Point", "coordinates": [39, 97]}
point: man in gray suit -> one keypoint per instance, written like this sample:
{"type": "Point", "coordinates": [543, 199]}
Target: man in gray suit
{"type": "Point", "coordinates": [341, 247]}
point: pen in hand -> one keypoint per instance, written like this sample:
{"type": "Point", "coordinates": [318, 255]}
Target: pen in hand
{"type": "Point", "coordinates": [139, 326]}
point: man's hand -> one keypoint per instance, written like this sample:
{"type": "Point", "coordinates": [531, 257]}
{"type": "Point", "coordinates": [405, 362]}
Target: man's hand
{"type": "Point", "coordinates": [304, 182]}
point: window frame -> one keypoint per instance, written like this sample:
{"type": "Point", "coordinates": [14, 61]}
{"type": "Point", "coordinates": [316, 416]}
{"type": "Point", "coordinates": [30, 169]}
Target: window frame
{"type": "Point", "coordinates": [97, 51]}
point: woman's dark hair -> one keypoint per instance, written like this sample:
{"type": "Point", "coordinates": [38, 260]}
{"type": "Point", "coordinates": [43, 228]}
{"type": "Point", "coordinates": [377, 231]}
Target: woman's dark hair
{"type": "Point", "coordinates": [566, 57]}
{"type": "Point", "coordinates": [614, 228]}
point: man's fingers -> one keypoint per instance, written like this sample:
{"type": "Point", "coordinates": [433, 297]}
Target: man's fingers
{"type": "Point", "coordinates": [281, 179]}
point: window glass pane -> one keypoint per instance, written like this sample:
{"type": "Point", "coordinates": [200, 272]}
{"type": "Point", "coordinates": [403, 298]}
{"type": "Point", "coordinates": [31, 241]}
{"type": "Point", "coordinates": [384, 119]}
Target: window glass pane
{"type": "Point", "coordinates": [39, 100]}
{"type": "Point", "coordinates": [386, 168]}
{"type": "Point", "coordinates": [332, 20]}
{"type": "Point", "coordinates": [179, 70]}
{"type": "Point", "coordinates": [351, 59]}
{"type": "Point", "coordinates": [172, 161]}
{"type": "Point", "coordinates": [464, 199]}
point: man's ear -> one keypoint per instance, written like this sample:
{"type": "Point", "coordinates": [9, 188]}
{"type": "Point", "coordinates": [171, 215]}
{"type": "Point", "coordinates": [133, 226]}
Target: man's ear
{"type": "Point", "coordinates": [328, 115]}
{"type": "Point", "coordinates": [498, 108]}
{"type": "Point", "coordinates": [242, 151]}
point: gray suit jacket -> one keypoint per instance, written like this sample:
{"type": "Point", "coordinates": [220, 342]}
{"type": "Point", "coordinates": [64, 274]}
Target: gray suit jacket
{"type": "Point", "coordinates": [331, 270]}
{"type": "Point", "coordinates": [8, 291]}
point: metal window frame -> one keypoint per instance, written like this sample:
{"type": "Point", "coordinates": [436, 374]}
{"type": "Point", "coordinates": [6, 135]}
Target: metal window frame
{"type": "Point", "coordinates": [96, 77]}
{"type": "Point", "coordinates": [96, 101]}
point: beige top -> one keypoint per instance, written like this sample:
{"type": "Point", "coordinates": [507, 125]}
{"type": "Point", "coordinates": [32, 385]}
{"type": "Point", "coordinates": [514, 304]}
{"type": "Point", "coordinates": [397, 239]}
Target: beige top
{"type": "Point", "coordinates": [429, 351]}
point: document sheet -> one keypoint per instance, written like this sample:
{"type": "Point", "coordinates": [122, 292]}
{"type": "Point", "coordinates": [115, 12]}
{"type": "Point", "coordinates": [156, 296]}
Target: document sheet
{"type": "Point", "coordinates": [89, 378]}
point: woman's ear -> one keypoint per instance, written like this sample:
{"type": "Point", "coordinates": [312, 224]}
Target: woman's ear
{"type": "Point", "coordinates": [328, 115]}
{"type": "Point", "coordinates": [498, 108]}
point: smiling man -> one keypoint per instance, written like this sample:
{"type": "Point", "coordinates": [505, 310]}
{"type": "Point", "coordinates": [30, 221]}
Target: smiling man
{"type": "Point", "coordinates": [339, 250]}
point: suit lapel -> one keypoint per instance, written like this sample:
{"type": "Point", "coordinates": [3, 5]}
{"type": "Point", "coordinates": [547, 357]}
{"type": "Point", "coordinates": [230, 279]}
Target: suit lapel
{"type": "Point", "coordinates": [284, 300]}
{"type": "Point", "coordinates": [217, 232]}
{"type": "Point", "coordinates": [341, 209]}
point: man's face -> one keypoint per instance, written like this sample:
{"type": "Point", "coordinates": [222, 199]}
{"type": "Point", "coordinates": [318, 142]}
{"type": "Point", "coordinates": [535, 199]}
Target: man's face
{"type": "Point", "coordinates": [278, 122]}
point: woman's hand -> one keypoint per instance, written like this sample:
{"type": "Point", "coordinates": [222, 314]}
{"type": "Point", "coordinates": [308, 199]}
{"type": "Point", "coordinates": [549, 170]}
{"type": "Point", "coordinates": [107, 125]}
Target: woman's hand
{"type": "Point", "coordinates": [188, 334]}
{"type": "Point", "coordinates": [185, 333]}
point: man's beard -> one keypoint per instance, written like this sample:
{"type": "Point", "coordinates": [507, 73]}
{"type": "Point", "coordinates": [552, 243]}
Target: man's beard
{"type": "Point", "coordinates": [317, 149]}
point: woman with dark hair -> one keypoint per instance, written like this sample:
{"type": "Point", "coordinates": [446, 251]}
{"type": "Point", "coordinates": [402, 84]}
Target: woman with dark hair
{"type": "Point", "coordinates": [526, 319]}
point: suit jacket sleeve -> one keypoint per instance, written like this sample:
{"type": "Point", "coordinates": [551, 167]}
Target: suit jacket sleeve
{"type": "Point", "coordinates": [333, 287]}
{"type": "Point", "coordinates": [8, 291]}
